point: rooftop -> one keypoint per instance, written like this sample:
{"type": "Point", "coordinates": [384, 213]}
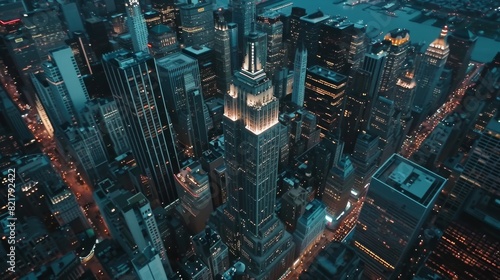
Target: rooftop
{"type": "Point", "coordinates": [410, 179]}
{"type": "Point", "coordinates": [332, 76]}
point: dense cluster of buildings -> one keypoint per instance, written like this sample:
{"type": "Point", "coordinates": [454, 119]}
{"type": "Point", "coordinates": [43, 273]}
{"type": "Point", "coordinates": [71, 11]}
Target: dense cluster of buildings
{"type": "Point", "coordinates": [179, 140]}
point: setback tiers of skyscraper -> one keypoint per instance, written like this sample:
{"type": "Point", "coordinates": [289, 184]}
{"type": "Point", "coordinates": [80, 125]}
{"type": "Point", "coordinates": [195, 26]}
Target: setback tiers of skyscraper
{"type": "Point", "coordinates": [249, 225]}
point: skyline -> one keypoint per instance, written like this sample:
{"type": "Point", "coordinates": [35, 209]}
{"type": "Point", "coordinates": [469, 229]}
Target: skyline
{"type": "Point", "coordinates": [274, 140]}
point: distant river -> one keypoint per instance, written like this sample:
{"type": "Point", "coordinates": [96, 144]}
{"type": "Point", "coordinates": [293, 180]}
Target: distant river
{"type": "Point", "coordinates": [484, 50]}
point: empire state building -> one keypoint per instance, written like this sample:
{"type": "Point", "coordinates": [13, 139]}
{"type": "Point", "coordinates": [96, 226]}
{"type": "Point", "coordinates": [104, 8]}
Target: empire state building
{"type": "Point", "coordinates": [249, 225]}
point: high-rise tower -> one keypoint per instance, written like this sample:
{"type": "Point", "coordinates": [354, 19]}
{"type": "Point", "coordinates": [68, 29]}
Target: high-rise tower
{"type": "Point", "coordinates": [197, 21]}
{"type": "Point", "coordinates": [222, 48]}
{"type": "Point", "coordinates": [244, 12]}
{"type": "Point", "coordinates": [135, 84]}
{"type": "Point", "coordinates": [251, 130]}
{"type": "Point", "coordinates": [400, 198]}
{"type": "Point", "coordinates": [462, 42]}
{"type": "Point", "coordinates": [399, 40]}
{"type": "Point", "coordinates": [429, 71]}
{"type": "Point", "coordinates": [271, 24]}
{"type": "Point", "coordinates": [299, 75]}
{"type": "Point", "coordinates": [137, 26]}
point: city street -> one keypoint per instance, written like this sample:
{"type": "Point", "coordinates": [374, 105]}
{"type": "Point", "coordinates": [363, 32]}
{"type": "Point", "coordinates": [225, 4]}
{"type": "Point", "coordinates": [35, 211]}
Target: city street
{"type": "Point", "coordinates": [339, 234]}
{"type": "Point", "coordinates": [67, 171]}
{"type": "Point", "coordinates": [414, 140]}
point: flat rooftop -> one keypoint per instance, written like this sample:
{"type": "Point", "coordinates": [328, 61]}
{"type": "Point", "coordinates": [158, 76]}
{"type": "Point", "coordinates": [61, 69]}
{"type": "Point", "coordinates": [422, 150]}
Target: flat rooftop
{"type": "Point", "coordinates": [328, 74]}
{"type": "Point", "coordinates": [410, 179]}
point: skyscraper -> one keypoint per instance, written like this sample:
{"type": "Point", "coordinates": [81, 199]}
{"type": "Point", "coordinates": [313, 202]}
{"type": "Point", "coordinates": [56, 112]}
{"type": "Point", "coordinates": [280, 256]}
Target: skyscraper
{"type": "Point", "coordinates": [462, 42]}
{"type": "Point", "coordinates": [244, 13]}
{"type": "Point", "coordinates": [148, 266]}
{"type": "Point", "coordinates": [162, 40]}
{"type": "Point", "coordinates": [251, 131]}
{"type": "Point", "coordinates": [206, 64]}
{"type": "Point", "coordinates": [270, 23]}
{"type": "Point", "coordinates": [61, 88]}
{"type": "Point", "coordinates": [223, 58]}
{"type": "Point", "coordinates": [310, 26]}
{"type": "Point", "coordinates": [404, 93]}
{"type": "Point", "coordinates": [299, 75]}
{"type": "Point", "coordinates": [135, 84]}
{"type": "Point", "coordinates": [480, 171]}
{"type": "Point", "coordinates": [181, 83]}
{"type": "Point", "coordinates": [383, 123]}
{"type": "Point", "coordinates": [399, 200]}
{"type": "Point", "coordinates": [357, 108]}
{"type": "Point", "coordinates": [428, 73]}
{"type": "Point", "coordinates": [324, 96]}
{"type": "Point", "coordinates": [399, 40]}
{"type": "Point", "coordinates": [364, 159]}
{"type": "Point", "coordinates": [209, 247]}
{"type": "Point", "coordinates": [338, 187]}
{"type": "Point", "coordinates": [137, 26]}
{"type": "Point", "coordinates": [194, 194]}
{"type": "Point", "coordinates": [45, 28]}
{"type": "Point", "coordinates": [197, 24]}
{"type": "Point", "coordinates": [374, 63]}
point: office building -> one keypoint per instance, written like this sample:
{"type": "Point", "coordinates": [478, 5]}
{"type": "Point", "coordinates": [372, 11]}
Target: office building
{"type": "Point", "coordinates": [83, 53]}
{"type": "Point", "coordinates": [324, 96]}
{"type": "Point", "coordinates": [152, 18]}
{"type": "Point", "coordinates": [206, 65]}
{"type": "Point", "coordinates": [365, 161]}
{"type": "Point", "coordinates": [270, 23]}
{"type": "Point", "coordinates": [46, 30]}
{"type": "Point", "coordinates": [336, 261]}
{"type": "Point", "coordinates": [135, 85]}
{"type": "Point", "coordinates": [310, 28]}
{"type": "Point", "coordinates": [147, 265]}
{"type": "Point", "coordinates": [299, 75]}
{"type": "Point", "coordinates": [12, 116]}
{"type": "Point", "coordinates": [384, 124]}
{"type": "Point", "coordinates": [84, 144]}
{"type": "Point", "coordinates": [180, 80]}
{"type": "Point", "coordinates": [193, 189]}
{"type": "Point", "coordinates": [310, 227]}
{"type": "Point", "coordinates": [250, 226]}
{"type": "Point", "coordinates": [212, 162]}
{"type": "Point", "coordinates": [192, 268]}
{"type": "Point", "coordinates": [98, 37]}
{"type": "Point", "coordinates": [103, 114]}
{"type": "Point", "coordinates": [223, 57]}
{"type": "Point", "coordinates": [212, 251]}
{"type": "Point", "coordinates": [374, 63]}
{"type": "Point", "coordinates": [137, 26]}
{"type": "Point", "coordinates": [404, 93]}
{"type": "Point", "coordinates": [479, 171]}
{"type": "Point", "coordinates": [399, 40]}
{"type": "Point", "coordinates": [461, 42]}
{"type": "Point", "coordinates": [338, 187]}
{"type": "Point", "coordinates": [341, 45]}
{"type": "Point", "coordinates": [244, 13]}
{"type": "Point", "coordinates": [428, 73]}
{"type": "Point", "coordinates": [293, 205]}
{"type": "Point", "coordinates": [469, 246]}
{"type": "Point", "coordinates": [130, 221]}
{"type": "Point", "coordinates": [162, 40]}
{"type": "Point", "coordinates": [400, 198]}
{"type": "Point", "coordinates": [72, 17]}
{"type": "Point", "coordinates": [60, 88]}
{"type": "Point", "coordinates": [36, 175]}
{"type": "Point", "coordinates": [357, 108]}
{"type": "Point", "coordinates": [292, 30]}
{"type": "Point", "coordinates": [197, 19]}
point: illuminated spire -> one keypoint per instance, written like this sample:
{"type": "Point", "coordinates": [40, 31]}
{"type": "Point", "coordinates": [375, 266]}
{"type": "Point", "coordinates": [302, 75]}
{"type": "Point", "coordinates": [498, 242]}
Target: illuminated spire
{"type": "Point", "coordinates": [252, 63]}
